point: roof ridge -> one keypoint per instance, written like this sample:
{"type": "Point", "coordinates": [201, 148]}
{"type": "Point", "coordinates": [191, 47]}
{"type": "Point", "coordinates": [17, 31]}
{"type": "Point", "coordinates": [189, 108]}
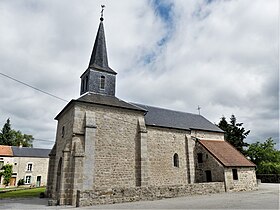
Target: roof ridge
{"type": "Point", "coordinates": [167, 109]}
{"type": "Point", "coordinates": [29, 148]}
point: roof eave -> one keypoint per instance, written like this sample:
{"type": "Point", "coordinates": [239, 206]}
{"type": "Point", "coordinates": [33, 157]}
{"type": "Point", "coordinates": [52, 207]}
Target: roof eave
{"type": "Point", "coordinates": [160, 126]}
{"type": "Point", "coordinates": [201, 129]}
{"type": "Point", "coordinates": [66, 107]}
{"type": "Point", "coordinates": [87, 102]}
{"type": "Point", "coordinates": [225, 165]}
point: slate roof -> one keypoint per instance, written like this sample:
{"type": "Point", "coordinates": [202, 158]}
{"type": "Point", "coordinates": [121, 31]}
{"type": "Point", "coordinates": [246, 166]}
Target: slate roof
{"type": "Point", "coordinates": [226, 154]}
{"type": "Point", "coordinates": [174, 119]}
{"type": "Point", "coordinates": [93, 98]}
{"type": "Point", "coordinates": [6, 151]}
{"type": "Point", "coordinates": [99, 59]}
{"type": "Point", "coordinates": [108, 100]}
{"type": "Point", "coordinates": [30, 152]}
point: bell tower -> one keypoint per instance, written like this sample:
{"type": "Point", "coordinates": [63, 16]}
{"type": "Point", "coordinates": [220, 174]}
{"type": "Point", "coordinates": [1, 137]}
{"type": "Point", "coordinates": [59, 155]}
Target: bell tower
{"type": "Point", "coordinates": [99, 78]}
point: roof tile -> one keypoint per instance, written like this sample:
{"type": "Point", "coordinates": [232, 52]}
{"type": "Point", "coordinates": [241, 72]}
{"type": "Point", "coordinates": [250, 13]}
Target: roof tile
{"type": "Point", "coordinates": [6, 150]}
{"type": "Point", "coordinates": [226, 153]}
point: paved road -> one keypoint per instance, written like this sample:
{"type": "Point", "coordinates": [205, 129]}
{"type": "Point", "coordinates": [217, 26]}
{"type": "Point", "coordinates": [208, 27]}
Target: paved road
{"type": "Point", "coordinates": [267, 197]}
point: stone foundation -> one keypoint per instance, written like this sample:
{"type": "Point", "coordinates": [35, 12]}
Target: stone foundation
{"type": "Point", "coordinates": [269, 178]}
{"type": "Point", "coordinates": [121, 195]}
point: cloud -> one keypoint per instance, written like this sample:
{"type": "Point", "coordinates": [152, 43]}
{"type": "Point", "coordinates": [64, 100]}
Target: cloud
{"type": "Point", "coordinates": [221, 55]}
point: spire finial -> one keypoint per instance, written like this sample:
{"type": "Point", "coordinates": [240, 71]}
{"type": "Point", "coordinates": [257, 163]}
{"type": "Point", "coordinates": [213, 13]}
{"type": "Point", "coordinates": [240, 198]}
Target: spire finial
{"type": "Point", "coordinates": [102, 10]}
{"type": "Point", "coordinates": [198, 108]}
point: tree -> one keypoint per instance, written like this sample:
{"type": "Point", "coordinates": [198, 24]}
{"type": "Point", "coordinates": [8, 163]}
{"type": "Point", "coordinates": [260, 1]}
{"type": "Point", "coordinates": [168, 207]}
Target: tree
{"type": "Point", "coordinates": [265, 156]}
{"type": "Point", "coordinates": [11, 137]}
{"type": "Point", "coordinates": [235, 134]}
{"type": "Point", "coordinates": [7, 173]}
{"type": "Point", "coordinates": [6, 135]}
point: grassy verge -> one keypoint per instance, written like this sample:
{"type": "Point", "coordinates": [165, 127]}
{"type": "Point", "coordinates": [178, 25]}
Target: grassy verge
{"type": "Point", "coordinates": [21, 193]}
{"type": "Point", "coordinates": [11, 188]}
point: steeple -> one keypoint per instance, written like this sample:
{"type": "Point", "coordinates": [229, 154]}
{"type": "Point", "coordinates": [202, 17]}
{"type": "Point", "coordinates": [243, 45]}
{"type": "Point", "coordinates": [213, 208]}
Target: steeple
{"type": "Point", "coordinates": [99, 77]}
{"type": "Point", "coordinates": [99, 57]}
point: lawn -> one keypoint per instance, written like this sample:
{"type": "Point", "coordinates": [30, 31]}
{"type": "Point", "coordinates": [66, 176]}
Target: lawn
{"type": "Point", "coordinates": [11, 188]}
{"type": "Point", "coordinates": [20, 193]}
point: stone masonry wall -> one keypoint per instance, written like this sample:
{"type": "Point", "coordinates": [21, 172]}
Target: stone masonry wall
{"type": "Point", "coordinates": [207, 135]}
{"type": "Point", "coordinates": [269, 178]}
{"type": "Point", "coordinates": [120, 195]}
{"type": "Point", "coordinates": [246, 179]}
{"type": "Point", "coordinates": [115, 145]}
{"type": "Point", "coordinates": [64, 135]}
{"type": "Point", "coordinates": [198, 175]}
{"type": "Point", "coordinates": [208, 163]}
{"type": "Point", "coordinates": [162, 144]}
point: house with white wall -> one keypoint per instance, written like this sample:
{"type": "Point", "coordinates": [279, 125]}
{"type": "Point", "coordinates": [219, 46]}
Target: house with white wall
{"type": "Point", "coordinates": [29, 164]}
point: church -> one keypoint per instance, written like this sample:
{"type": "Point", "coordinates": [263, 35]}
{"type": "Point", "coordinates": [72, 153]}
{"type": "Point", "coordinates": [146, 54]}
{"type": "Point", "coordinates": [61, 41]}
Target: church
{"type": "Point", "coordinates": [109, 151]}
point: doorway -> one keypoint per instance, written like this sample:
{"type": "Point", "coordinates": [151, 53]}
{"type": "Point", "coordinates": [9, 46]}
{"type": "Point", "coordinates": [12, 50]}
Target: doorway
{"type": "Point", "coordinates": [38, 182]}
{"type": "Point", "coordinates": [13, 181]}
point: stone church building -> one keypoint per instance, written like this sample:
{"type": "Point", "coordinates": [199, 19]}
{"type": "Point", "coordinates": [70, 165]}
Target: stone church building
{"type": "Point", "coordinates": [108, 150]}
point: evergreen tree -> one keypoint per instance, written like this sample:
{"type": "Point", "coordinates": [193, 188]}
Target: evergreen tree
{"type": "Point", "coordinates": [11, 137]}
{"type": "Point", "coordinates": [6, 135]}
{"type": "Point", "coordinates": [235, 134]}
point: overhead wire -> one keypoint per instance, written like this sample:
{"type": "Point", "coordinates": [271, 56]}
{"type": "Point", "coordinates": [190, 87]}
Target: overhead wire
{"type": "Point", "coordinates": [42, 91]}
{"type": "Point", "coordinates": [57, 97]}
{"type": "Point", "coordinates": [43, 140]}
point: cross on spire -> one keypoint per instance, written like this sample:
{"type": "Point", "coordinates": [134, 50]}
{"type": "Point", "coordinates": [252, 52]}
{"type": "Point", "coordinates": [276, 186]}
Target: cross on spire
{"type": "Point", "coordinates": [102, 11]}
{"type": "Point", "coordinates": [198, 108]}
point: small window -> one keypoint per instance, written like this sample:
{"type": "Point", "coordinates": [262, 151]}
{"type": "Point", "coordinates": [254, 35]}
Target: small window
{"type": "Point", "coordinates": [234, 174]}
{"type": "Point", "coordinates": [27, 179]}
{"type": "Point", "coordinates": [62, 131]}
{"type": "Point", "coordinates": [29, 167]}
{"type": "Point", "coordinates": [15, 164]}
{"type": "Point", "coordinates": [176, 160]}
{"type": "Point", "coordinates": [102, 82]}
{"type": "Point", "coordinates": [208, 176]}
{"type": "Point", "coordinates": [199, 158]}
{"type": "Point", "coordinates": [83, 85]}
{"type": "Point", "coordinates": [86, 83]}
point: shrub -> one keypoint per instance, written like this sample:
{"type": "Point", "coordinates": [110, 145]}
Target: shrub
{"type": "Point", "coordinates": [20, 182]}
{"type": "Point", "coordinates": [7, 173]}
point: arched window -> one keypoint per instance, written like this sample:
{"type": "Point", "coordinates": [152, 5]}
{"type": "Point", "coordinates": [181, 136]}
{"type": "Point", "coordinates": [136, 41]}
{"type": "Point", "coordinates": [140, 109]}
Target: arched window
{"type": "Point", "coordinates": [176, 160]}
{"type": "Point", "coordinates": [102, 82]}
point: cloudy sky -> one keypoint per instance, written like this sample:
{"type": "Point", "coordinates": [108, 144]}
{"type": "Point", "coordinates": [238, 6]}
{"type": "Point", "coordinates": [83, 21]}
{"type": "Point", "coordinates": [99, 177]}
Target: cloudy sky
{"type": "Point", "coordinates": [222, 55]}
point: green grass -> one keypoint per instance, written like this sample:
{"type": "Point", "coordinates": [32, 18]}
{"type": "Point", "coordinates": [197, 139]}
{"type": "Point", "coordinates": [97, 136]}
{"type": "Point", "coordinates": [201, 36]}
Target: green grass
{"type": "Point", "coordinates": [21, 193]}
{"type": "Point", "coordinates": [11, 188]}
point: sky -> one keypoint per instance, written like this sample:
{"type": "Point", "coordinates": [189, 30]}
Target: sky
{"type": "Point", "coordinates": [221, 55]}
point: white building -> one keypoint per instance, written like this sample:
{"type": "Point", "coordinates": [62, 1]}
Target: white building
{"type": "Point", "coordinates": [29, 164]}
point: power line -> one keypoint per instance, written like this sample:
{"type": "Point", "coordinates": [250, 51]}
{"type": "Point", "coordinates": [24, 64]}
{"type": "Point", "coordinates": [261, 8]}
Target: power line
{"type": "Point", "coordinates": [42, 91]}
{"type": "Point", "coordinates": [43, 140]}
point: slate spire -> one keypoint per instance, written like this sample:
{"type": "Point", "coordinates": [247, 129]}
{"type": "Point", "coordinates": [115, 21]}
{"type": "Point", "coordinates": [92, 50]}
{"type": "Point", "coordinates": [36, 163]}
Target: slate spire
{"type": "Point", "coordinates": [99, 58]}
{"type": "Point", "coordinates": [99, 78]}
